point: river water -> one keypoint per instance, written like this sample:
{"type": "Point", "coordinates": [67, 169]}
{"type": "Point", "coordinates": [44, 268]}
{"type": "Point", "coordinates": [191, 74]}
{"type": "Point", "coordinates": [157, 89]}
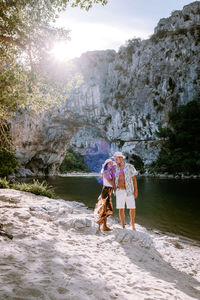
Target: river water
{"type": "Point", "coordinates": [168, 205]}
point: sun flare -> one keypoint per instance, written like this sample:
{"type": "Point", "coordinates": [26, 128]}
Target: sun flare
{"type": "Point", "coordinates": [62, 51]}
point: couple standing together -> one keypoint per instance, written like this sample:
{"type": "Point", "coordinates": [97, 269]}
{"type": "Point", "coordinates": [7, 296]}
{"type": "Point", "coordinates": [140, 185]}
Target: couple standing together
{"type": "Point", "coordinates": [120, 177]}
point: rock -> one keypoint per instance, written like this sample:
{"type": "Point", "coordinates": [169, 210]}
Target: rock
{"type": "Point", "coordinates": [22, 172]}
{"type": "Point", "coordinates": [10, 198]}
{"type": "Point", "coordinates": [124, 235]}
{"type": "Point", "coordinates": [178, 245]}
{"type": "Point", "coordinates": [76, 222]}
{"type": "Point", "coordinates": [24, 215]}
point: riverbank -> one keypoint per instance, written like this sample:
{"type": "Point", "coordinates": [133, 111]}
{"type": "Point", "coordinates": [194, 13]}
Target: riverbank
{"type": "Point", "coordinates": [25, 173]}
{"type": "Point", "coordinates": [79, 174]}
{"type": "Point", "coordinates": [57, 253]}
{"type": "Point", "coordinates": [164, 176]}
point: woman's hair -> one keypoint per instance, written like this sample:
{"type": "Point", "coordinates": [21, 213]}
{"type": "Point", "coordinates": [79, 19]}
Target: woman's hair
{"type": "Point", "coordinates": [105, 192]}
{"type": "Point", "coordinates": [104, 168]}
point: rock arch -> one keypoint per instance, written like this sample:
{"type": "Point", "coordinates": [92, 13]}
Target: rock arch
{"type": "Point", "coordinates": [41, 140]}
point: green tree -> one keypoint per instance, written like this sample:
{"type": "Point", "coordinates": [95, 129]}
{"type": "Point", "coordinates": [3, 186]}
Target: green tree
{"type": "Point", "coordinates": [7, 163]}
{"type": "Point", "coordinates": [127, 51]}
{"type": "Point", "coordinates": [180, 151]}
{"type": "Point", "coordinates": [73, 161]}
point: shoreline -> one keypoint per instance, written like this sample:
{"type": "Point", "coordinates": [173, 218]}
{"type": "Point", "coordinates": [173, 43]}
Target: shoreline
{"type": "Point", "coordinates": [159, 176]}
{"type": "Point", "coordinates": [78, 174]}
{"type": "Point", "coordinates": [69, 259]}
{"type": "Point", "coordinates": [26, 173]}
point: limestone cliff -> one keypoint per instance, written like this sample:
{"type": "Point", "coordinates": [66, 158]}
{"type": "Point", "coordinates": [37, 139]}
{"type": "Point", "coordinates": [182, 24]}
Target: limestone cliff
{"type": "Point", "coordinates": [124, 96]}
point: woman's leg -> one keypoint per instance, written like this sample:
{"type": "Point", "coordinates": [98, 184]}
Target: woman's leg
{"type": "Point", "coordinates": [100, 222]}
{"type": "Point", "coordinates": [105, 227]}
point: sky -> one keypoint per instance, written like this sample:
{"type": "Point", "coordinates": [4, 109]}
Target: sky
{"type": "Point", "coordinates": [110, 26]}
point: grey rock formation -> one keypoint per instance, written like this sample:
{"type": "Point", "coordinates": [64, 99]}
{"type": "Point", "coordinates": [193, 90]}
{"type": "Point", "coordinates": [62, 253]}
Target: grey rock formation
{"type": "Point", "coordinates": [123, 96]}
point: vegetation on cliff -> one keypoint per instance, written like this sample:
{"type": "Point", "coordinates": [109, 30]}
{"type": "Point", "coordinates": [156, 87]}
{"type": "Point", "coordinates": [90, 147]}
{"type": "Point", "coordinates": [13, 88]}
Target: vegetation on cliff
{"type": "Point", "coordinates": [193, 30]}
{"type": "Point", "coordinates": [73, 161]}
{"type": "Point", "coordinates": [180, 151]}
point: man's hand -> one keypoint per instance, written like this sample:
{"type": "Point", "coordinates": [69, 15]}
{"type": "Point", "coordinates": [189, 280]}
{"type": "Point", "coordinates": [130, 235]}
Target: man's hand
{"type": "Point", "coordinates": [135, 194]}
{"type": "Point", "coordinates": [135, 187]}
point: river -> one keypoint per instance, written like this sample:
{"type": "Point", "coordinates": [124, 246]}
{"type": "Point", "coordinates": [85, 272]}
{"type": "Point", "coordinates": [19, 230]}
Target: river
{"type": "Point", "coordinates": [168, 205]}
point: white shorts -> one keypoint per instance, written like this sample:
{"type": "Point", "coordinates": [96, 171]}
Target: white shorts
{"type": "Point", "coordinates": [122, 198]}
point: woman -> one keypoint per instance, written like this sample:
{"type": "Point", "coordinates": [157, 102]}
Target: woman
{"type": "Point", "coordinates": [107, 172]}
{"type": "Point", "coordinates": [104, 208]}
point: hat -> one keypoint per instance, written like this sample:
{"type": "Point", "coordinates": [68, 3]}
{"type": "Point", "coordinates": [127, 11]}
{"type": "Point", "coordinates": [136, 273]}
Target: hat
{"type": "Point", "coordinates": [107, 161]}
{"type": "Point", "coordinates": [118, 154]}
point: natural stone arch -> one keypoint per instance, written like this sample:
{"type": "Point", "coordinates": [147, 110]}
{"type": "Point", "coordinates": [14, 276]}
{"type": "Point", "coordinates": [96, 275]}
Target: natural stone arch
{"type": "Point", "coordinates": [41, 140]}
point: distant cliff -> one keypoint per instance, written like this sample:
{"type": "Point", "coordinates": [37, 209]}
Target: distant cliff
{"type": "Point", "coordinates": [123, 97]}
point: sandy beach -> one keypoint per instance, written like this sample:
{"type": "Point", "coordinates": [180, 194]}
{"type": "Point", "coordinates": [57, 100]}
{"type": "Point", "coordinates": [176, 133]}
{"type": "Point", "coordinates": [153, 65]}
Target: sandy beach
{"type": "Point", "coordinates": [57, 253]}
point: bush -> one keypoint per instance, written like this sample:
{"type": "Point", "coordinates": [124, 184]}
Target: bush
{"type": "Point", "coordinates": [4, 184]}
{"type": "Point", "coordinates": [180, 151]}
{"type": "Point", "coordinates": [126, 52]}
{"type": "Point", "coordinates": [7, 162]}
{"type": "Point", "coordinates": [73, 162]}
{"type": "Point", "coordinates": [194, 30]}
{"type": "Point", "coordinates": [136, 161]}
{"type": "Point", "coordinates": [36, 187]}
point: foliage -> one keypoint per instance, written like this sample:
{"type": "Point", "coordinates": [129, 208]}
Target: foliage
{"type": "Point", "coordinates": [136, 161]}
{"type": "Point", "coordinates": [35, 187]}
{"type": "Point", "coordinates": [7, 162]}
{"type": "Point", "coordinates": [25, 38]}
{"type": "Point", "coordinates": [193, 30]}
{"type": "Point", "coordinates": [180, 151]}
{"type": "Point", "coordinates": [163, 132]}
{"type": "Point", "coordinates": [4, 184]}
{"type": "Point", "coordinates": [73, 161]}
{"type": "Point", "coordinates": [127, 51]}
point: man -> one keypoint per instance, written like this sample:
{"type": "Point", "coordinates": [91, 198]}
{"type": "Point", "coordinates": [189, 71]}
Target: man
{"type": "Point", "coordinates": [125, 187]}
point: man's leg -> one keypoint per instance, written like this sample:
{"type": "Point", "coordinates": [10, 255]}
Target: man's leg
{"type": "Point", "coordinates": [132, 215]}
{"type": "Point", "coordinates": [122, 217]}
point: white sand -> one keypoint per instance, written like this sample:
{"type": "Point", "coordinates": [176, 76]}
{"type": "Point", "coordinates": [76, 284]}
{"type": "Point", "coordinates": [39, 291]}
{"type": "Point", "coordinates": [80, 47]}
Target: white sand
{"type": "Point", "coordinates": [56, 253]}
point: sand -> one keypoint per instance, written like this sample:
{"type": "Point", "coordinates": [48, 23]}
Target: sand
{"type": "Point", "coordinates": [58, 253]}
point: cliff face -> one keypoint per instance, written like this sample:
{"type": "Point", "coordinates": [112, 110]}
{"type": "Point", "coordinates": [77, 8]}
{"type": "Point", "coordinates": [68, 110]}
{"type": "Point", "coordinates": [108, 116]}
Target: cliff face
{"type": "Point", "coordinates": [125, 96]}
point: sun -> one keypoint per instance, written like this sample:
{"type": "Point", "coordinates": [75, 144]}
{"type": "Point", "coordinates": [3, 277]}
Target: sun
{"type": "Point", "coordinates": [62, 51]}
